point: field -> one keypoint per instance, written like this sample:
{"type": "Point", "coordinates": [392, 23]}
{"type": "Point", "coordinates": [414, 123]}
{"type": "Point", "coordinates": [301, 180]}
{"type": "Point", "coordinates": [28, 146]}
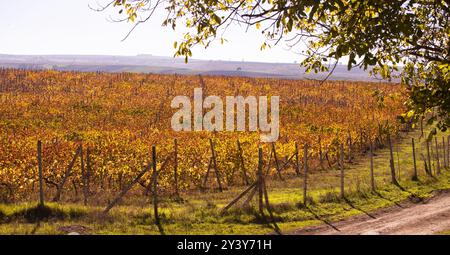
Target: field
{"type": "Point", "coordinates": [97, 131]}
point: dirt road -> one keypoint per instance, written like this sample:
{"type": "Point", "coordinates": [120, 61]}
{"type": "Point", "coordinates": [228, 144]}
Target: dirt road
{"type": "Point", "coordinates": [430, 216]}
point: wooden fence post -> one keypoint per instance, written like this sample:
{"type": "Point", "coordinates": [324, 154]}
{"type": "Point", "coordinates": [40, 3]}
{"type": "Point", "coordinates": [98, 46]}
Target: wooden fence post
{"type": "Point", "coordinates": [214, 162]}
{"type": "Point", "coordinates": [83, 176]}
{"type": "Point", "coordinates": [277, 164]}
{"type": "Point", "coordinates": [241, 160]}
{"type": "Point", "coordinates": [88, 170]}
{"type": "Point", "coordinates": [399, 176]}
{"type": "Point", "coordinates": [320, 154]}
{"type": "Point", "coordinates": [207, 173]}
{"type": "Point", "coordinates": [269, 208]}
{"type": "Point", "coordinates": [155, 187]}
{"type": "Point", "coordinates": [305, 175]}
{"type": "Point", "coordinates": [430, 171]}
{"type": "Point", "coordinates": [372, 176]}
{"type": "Point", "coordinates": [66, 175]}
{"type": "Point", "coordinates": [361, 141]}
{"type": "Point", "coordinates": [444, 150]}
{"type": "Point", "coordinates": [380, 135]}
{"type": "Point", "coordinates": [350, 147]}
{"type": "Point", "coordinates": [124, 191]}
{"type": "Point", "coordinates": [260, 183]}
{"type": "Point", "coordinates": [297, 164]}
{"type": "Point", "coordinates": [341, 165]}
{"type": "Point", "coordinates": [41, 177]}
{"type": "Point", "coordinates": [391, 161]}
{"type": "Point", "coordinates": [175, 168]}
{"type": "Point", "coordinates": [263, 194]}
{"type": "Point", "coordinates": [414, 177]}
{"type": "Point", "coordinates": [421, 128]}
{"type": "Point", "coordinates": [448, 151]}
{"type": "Point", "coordinates": [438, 163]}
{"type": "Point", "coordinates": [252, 188]}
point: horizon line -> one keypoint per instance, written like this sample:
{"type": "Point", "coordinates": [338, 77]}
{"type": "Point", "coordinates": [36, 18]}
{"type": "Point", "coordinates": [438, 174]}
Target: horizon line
{"type": "Point", "coordinates": [152, 55]}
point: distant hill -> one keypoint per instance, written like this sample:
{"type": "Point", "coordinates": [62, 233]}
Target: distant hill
{"type": "Point", "coordinates": [169, 65]}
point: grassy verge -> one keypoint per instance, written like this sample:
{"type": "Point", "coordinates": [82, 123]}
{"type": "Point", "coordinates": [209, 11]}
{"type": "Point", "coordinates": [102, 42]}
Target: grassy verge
{"type": "Point", "coordinates": [199, 213]}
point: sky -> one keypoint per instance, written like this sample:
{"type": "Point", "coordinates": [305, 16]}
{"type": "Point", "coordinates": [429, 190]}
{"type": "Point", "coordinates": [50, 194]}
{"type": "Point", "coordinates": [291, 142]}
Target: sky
{"type": "Point", "coordinates": [32, 27]}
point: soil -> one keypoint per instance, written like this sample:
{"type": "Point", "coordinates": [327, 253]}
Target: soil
{"type": "Point", "coordinates": [414, 217]}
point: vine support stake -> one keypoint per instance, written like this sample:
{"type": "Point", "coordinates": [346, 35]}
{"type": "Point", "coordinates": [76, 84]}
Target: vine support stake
{"type": "Point", "coordinates": [155, 188]}
{"type": "Point", "coordinates": [277, 164]}
{"type": "Point", "coordinates": [41, 177]}
{"type": "Point", "coordinates": [260, 183]}
{"type": "Point", "coordinates": [241, 160]}
{"type": "Point", "coordinates": [175, 168]}
{"type": "Point", "coordinates": [372, 176]}
{"type": "Point", "coordinates": [438, 163]}
{"type": "Point", "coordinates": [414, 177]}
{"type": "Point", "coordinates": [430, 171]}
{"type": "Point", "coordinates": [444, 153]}
{"type": "Point", "coordinates": [320, 154]}
{"type": "Point", "coordinates": [66, 175]}
{"type": "Point", "coordinates": [305, 175]}
{"type": "Point", "coordinates": [297, 164]}
{"type": "Point", "coordinates": [391, 161]}
{"type": "Point", "coordinates": [341, 165]}
{"type": "Point", "coordinates": [214, 162]}
{"type": "Point", "coordinates": [83, 176]}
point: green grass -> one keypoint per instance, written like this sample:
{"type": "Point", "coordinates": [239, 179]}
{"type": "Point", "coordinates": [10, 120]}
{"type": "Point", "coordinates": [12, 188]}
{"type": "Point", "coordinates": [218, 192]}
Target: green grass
{"type": "Point", "coordinates": [200, 212]}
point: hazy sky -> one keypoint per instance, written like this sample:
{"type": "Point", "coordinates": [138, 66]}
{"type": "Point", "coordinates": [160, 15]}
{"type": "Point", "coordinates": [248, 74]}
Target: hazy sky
{"type": "Point", "coordinates": [70, 27]}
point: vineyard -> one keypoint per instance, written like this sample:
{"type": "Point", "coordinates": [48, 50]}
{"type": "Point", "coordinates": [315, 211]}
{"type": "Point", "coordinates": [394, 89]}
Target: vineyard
{"type": "Point", "coordinates": [117, 118]}
{"type": "Point", "coordinates": [229, 118]}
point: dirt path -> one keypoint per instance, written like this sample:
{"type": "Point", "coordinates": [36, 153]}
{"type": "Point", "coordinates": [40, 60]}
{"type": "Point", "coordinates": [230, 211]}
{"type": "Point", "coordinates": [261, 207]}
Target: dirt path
{"type": "Point", "coordinates": [430, 216]}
